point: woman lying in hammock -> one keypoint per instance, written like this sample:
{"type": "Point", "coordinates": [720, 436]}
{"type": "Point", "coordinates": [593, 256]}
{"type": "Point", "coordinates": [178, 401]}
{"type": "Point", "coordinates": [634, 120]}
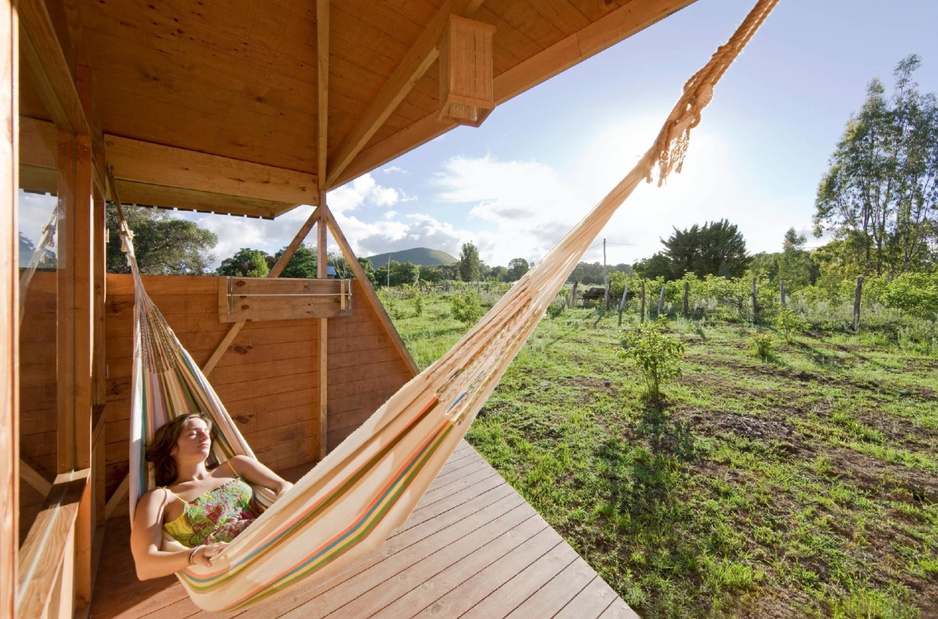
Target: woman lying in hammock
{"type": "Point", "coordinates": [202, 508]}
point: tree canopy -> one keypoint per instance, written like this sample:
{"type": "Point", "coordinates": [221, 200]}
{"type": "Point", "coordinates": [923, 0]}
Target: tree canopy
{"type": "Point", "coordinates": [716, 248]}
{"type": "Point", "coordinates": [470, 266]}
{"type": "Point", "coordinates": [246, 263]}
{"type": "Point", "coordinates": [879, 197]}
{"type": "Point", "coordinates": [163, 244]}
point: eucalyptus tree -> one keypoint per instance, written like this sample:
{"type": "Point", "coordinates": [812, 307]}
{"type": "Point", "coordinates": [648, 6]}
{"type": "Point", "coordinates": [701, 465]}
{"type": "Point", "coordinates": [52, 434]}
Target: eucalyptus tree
{"type": "Point", "coordinates": [880, 194]}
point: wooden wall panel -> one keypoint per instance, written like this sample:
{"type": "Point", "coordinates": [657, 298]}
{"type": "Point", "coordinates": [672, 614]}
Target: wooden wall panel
{"type": "Point", "coordinates": [268, 378]}
{"type": "Point", "coordinates": [38, 397]}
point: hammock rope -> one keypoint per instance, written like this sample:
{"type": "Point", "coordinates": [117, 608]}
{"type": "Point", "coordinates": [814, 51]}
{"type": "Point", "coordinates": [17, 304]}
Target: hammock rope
{"type": "Point", "coordinates": [45, 243]}
{"type": "Point", "coordinates": [368, 485]}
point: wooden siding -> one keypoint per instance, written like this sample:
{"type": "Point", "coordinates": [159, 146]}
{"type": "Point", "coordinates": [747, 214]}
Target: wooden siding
{"type": "Point", "coordinates": [472, 547]}
{"type": "Point", "coordinates": [268, 378]}
{"type": "Point", "coordinates": [38, 398]}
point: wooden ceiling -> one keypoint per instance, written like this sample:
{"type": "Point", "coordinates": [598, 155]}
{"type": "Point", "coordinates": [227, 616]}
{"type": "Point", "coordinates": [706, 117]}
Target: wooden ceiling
{"type": "Point", "coordinates": [252, 107]}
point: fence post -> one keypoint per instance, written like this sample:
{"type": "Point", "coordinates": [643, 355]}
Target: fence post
{"type": "Point", "coordinates": [755, 302]}
{"type": "Point", "coordinates": [856, 303]}
{"type": "Point", "coordinates": [573, 293]}
{"type": "Point", "coordinates": [781, 293]}
{"type": "Point", "coordinates": [686, 299]}
{"type": "Point", "coordinates": [643, 302]}
{"type": "Point", "coordinates": [660, 302]}
{"type": "Point", "coordinates": [625, 293]}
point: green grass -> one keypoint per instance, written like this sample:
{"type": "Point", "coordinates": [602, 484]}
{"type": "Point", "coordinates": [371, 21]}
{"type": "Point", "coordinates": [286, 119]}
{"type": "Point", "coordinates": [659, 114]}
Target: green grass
{"type": "Point", "coordinates": [802, 484]}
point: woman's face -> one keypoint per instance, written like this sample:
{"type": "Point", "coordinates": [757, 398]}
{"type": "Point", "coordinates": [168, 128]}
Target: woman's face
{"type": "Point", "coordinates": [194, 441]}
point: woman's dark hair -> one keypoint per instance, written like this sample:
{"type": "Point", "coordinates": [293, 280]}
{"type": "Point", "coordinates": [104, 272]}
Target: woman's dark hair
{"type": "Point", "coordinates": [160, 451]}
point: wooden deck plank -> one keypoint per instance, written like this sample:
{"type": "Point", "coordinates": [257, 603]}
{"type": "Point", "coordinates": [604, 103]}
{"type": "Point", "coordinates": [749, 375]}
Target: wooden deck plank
{"type": "Point", "coordinates": [455, 575]}
{"type": "Point", "coordinates": [463, 539]}
{"type": "Point", "coordinates": [472, 545]}
{"type": "Point", "coordinates": [550, 597]}
{"type": "Point", "coordinates": [518, 588]}
{"type": "Point", "coordinates": [590, 602]}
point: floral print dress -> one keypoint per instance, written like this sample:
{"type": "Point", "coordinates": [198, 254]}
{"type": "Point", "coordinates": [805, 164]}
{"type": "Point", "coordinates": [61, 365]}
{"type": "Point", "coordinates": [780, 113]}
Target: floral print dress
{"type": "Point", "coordinates": [218, 515]}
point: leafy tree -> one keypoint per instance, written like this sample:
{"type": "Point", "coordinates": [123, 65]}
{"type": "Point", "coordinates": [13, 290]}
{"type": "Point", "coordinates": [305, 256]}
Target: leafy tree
{"type": "Point", "coordinates": [431, 275]}
{"type": "Point", "coordinates": [163, 244]}
{"type": "Point", "coordinates": [401, 273]}
{"type": "Point", "coordinates": [794, 264]}
{"type": "Point", "coordinates": [880, 195]}
{"type": "Point", "coordinates": [246, 263]}
{"type": "Point", "coordinates": [651, 268]}
{"type": "Point", "coordinates": [517, 267]}
{"type": "Point", "coordinates": [765, 265]}
{"type": "Point", "coordinates": [301, 265]}
{"type": "Point", "coordinates": [716, 248]}
{"type": "Point", "coordinates": [499, 274]}
{"type": "Point", "coordinates": [470, 266]}
{"type": "Point", "coordinates": [915, 294]}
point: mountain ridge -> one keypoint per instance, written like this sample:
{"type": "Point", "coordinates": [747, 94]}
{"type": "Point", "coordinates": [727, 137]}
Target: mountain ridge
{"type": "Point", "coordinates": [422, 256]}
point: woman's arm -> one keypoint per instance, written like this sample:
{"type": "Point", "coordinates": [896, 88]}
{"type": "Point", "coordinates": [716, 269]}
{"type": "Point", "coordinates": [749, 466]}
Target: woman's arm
{"type": "Point", "coordinates": [256, 473]}
{"type": "Point", "coordinates": [147, 534]}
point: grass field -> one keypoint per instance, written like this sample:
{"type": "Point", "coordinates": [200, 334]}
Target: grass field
{"type": "Point", "coordinates": [803, 483]}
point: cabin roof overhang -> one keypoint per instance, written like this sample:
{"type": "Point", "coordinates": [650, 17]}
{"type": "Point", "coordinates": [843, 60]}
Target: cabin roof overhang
{"type": "Point", "coordinates": [251, 108]}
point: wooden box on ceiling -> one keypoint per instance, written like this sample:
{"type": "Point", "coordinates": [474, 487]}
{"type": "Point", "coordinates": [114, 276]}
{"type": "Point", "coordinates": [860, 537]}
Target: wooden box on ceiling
{"type": "Point", "coordinates": [467, 92]}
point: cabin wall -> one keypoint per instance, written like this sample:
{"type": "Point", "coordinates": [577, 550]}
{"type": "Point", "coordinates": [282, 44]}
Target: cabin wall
{"type": "Point", "coordinates": [38, 412]}
{"type": "Point", "coordinates": [268, 378]}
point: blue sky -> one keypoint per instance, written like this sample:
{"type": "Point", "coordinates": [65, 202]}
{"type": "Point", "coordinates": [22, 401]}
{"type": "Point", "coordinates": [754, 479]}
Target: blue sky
{"type": "Point", "coordinates": [543, 159]}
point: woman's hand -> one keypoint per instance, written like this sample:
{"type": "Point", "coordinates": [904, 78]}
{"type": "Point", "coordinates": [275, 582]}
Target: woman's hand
{"type": "Point", "coordinates": [203, 555]}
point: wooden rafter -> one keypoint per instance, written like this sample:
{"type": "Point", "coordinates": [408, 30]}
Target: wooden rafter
{"type": "Point", "coordinates": [614, 27]}
{"type": "Point", "coordinates": [322, 59]}
{"type": "Point", "coordinates": [419, 58]}
{"type": "Point", "coordinates": [154, 164]}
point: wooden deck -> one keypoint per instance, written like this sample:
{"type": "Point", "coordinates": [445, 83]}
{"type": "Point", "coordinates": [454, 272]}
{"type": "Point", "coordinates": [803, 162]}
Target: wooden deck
{"type": "Point", "coordinates": [472, 548]}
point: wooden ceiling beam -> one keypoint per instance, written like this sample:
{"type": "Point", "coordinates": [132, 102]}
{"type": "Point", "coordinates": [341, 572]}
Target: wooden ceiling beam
{"type": "Point", "coordinates": [48, 58]}
{"type": "Point", "coordinates": [616, 26]}
{"type": "Point", "coordinates": [419, 58]}
{"type": "Point", "coordinates": [136, 161]}
{"type": "Point", "coordinates": [322, 59]}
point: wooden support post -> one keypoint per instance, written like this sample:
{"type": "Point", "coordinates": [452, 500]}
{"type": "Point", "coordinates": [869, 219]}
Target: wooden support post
{"type": "Point", "coordinates": [643, 302]}
{"type": "Point", "coordinates": [322, 262]}
{"type": "Point", "coordinates": [857, 297]}
{"type": "Point", "coordinates": [625, 293]}
{"type": "Point", "coordinates": [686, 299]}
{"type": "Point", "coordinates": [660, 302]}
{"type": "Point", "coordinates": [9, 312]}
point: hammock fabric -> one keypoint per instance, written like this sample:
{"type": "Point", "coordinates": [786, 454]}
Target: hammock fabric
{"type": "Point", "coordinates": [358, 494]}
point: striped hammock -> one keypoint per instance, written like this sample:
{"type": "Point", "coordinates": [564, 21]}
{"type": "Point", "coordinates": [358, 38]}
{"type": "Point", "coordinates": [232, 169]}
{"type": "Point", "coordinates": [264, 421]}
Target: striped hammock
{"type": "Point", "coordinates": [359, 493]}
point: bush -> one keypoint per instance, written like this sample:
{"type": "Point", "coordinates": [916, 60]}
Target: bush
{"type": "Point", "coordinates": [466, 307]}
{"type": "Point", "coordinates": [763, 345]}
{"type": "Point", "coordinates": [656, 354]}
{"type": "Point", "coordinates": [788, 322]}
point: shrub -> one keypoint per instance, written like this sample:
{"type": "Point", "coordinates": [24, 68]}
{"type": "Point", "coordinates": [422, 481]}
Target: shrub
{"type": "Point", "coordinates": [763, 345]}
{"type": "Point", "coordinates": [656, 354]}
{"type": "Point", "coordinates": [788, 322]}
{"type": "Point", "coordinates": [466, 307]}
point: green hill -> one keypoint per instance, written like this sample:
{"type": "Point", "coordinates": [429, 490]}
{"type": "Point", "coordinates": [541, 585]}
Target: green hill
{"type": "Point", "coordinates": [421, 256]}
